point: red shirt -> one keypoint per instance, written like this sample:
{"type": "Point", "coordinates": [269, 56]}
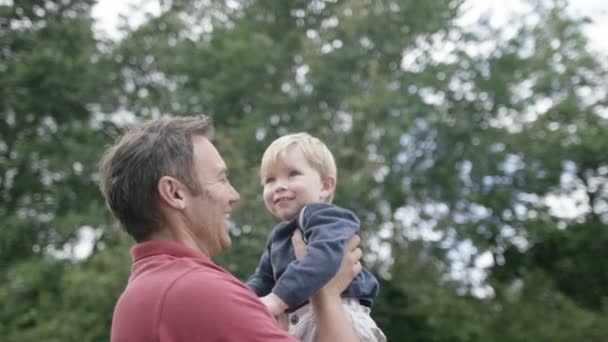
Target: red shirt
{"type": "Point", "coordinates": [175, 294]}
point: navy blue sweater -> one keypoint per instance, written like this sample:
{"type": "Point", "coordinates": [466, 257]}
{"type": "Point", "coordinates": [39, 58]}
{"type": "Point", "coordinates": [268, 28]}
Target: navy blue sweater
{"type": "Point", "coordinates": [327, 228]}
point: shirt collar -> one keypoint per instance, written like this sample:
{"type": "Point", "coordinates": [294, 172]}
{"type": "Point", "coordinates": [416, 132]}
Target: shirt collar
{"type": "Point", "coordinates": [155, 247]}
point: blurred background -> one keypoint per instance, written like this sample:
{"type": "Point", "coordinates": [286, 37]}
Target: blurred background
{"type": "Point", "coordinates": [471, 139]}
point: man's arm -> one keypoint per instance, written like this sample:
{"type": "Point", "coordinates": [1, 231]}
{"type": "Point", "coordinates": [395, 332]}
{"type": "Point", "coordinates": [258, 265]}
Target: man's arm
{"type": "Point", "coordinates": [332, 322]}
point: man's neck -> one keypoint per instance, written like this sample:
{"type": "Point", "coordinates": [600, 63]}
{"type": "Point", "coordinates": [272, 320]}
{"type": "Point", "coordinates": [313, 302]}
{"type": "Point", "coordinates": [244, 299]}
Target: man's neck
{"type": "Point", "coordinates": [179, 235]}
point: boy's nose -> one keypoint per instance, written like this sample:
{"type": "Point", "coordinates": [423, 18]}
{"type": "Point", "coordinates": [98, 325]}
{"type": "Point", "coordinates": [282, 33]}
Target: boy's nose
{"type": "Point", "coordinates": [280, 186]}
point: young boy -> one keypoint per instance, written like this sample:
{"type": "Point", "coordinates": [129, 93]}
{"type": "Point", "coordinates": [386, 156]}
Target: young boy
{"type": "Point", "coordinates": [299, 177]}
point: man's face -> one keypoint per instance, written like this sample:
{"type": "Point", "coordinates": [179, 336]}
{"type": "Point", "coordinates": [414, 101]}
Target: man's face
{"type": "Point", "coordinates": [207, 212]}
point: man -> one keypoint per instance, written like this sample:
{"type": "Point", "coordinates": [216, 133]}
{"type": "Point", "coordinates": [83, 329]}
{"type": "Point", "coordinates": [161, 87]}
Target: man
{"type": "Point", "coordinates": [168, 186]}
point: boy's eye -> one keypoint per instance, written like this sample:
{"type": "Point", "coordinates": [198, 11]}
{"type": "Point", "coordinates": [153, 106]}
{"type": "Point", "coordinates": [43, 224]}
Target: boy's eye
{"type": "Point", "coordinates": [268, 180]}
{"type": "Point", "coordinates": [293, 173]}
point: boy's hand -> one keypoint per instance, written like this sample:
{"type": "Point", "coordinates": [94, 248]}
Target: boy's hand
{"type": "Point", "coordinates": [274, 304]}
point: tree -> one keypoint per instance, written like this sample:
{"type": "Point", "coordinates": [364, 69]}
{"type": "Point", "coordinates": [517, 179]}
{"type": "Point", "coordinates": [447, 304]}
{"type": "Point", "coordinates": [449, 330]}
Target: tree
{"type": "Point", "coordinates": [53, 76]}
{"type": "Point", "coordinates": [470, 142]}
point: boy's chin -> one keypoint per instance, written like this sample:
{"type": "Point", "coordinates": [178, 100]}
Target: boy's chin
{"type": "Point", "coordinates": [286, 216]}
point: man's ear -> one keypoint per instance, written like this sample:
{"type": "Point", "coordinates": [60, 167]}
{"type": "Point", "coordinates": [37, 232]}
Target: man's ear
{"type": "Point", "coordinates": [172, 192]}
{"type": "Point", "coordinates": [328, 187]}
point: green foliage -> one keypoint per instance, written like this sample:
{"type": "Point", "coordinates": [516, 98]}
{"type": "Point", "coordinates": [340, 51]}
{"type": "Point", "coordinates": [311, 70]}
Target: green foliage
{"type": "Point", "coordinates": [445, 136]}
{"type": "Point", "coordinates": [53, 76]}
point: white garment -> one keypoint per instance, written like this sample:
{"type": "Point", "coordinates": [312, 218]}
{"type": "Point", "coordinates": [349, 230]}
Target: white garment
{"type": "Point", "coordinates": [303, 323]}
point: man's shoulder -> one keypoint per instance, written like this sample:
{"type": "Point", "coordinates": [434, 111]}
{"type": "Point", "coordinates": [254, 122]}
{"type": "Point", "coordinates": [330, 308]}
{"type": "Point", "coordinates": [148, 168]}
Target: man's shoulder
{"type": "Point", "coordinates": [197, 277]}
{"type": "Point", "coordinates": [204, 290]}
{"type": "Point", "coordinates": [206, 301]}
{"type": "Point", "coordinates": [170, 272]}
{"type": "Point", "coordinates": [167, 292]}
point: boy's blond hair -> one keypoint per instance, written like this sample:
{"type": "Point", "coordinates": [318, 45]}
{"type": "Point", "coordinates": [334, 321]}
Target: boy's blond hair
{"type": "Point", "coordinates": [314, 150]}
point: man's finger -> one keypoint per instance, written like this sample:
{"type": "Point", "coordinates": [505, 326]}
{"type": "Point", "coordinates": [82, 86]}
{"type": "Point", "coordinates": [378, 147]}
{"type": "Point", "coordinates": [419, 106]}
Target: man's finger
{"type": "Point", "coordinates": [299, 246]}
{"type": "Point", "coordinates": [357, 254]}
{"type": "Point", "coordinates": [357, 268]}
{"type": "Point", "coordinates": [297, 236]}
{"type": "Point", "coordinates": [353, 242]}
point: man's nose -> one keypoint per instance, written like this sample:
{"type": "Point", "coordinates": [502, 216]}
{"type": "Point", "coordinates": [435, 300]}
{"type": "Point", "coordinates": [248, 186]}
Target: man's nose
{"type": "Point", "coordinates": [235, 196]}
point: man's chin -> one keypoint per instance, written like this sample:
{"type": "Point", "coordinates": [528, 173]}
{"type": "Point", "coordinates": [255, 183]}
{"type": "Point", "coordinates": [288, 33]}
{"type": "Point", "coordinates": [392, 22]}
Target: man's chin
{"type": "Point", "coordinates": [226, 243]}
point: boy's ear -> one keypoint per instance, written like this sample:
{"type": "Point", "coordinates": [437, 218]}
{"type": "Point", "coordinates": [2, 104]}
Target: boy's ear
{"type": "Point", "coordinates": [328, 187]}
{"type": "Point", "coordinates": [171, 192]}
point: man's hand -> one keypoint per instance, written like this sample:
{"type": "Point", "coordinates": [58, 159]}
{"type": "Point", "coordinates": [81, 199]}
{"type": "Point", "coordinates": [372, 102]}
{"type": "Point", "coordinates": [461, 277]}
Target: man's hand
{"type": "Point", "coordinates": [350, 267]}
{"type": "Point", "coordinates": [299, 246]}
{"type": "Point", "coordinates": [333, 323]}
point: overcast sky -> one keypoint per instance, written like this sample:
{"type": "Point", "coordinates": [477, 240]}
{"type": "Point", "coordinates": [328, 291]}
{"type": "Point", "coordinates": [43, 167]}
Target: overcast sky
{"type": "Point", "coordinates": [107, 12]}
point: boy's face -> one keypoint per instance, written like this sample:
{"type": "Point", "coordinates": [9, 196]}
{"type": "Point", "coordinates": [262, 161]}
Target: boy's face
{"type": "Point", "coordinates": [292, 184]}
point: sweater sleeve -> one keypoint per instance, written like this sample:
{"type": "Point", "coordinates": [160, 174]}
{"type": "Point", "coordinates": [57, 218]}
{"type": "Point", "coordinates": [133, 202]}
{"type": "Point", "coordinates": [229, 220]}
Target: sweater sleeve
{"type": "Point", "coordinates": [327, 228]}
{"type": "Point", "coordinates": [262, 280]}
